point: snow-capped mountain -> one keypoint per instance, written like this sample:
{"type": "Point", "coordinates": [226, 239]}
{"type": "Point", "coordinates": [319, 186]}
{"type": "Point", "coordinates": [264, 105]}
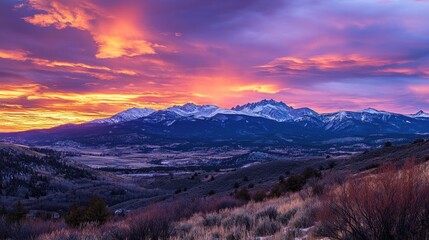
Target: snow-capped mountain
{"type": "Point", "coordinates": [266, 121]}
{"type": "Point", "coordinates": [277, 111]}
{"type": "Point", "coordinates": [366, 118]}
{"type": "Point", "coordinates": [125, 116]}
{"type": "Point", "coordinates": [190, 109]}
{"type": "Point", "coordinates": [419, 114]}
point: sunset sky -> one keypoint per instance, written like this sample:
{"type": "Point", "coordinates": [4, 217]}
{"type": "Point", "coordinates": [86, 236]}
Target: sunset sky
{"type": "Point", "coordinates": [70, 61]}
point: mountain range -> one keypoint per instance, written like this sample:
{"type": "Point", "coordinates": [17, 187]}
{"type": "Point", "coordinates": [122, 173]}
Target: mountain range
{"type": "Point", "coordinates": [264, 122]}
{"type": "Point", "coordinates": [268, 109]}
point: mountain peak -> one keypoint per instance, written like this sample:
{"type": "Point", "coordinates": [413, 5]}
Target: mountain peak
{"type": "Point", "coordinates": [262, 103]}
{"type": "Point", "coordinates": [191, 109]}
{"type": "Point", "coordinates": [373, 111]}
{"type": "Point", "coordinates": [277, 111]}
{"type": "Point", "coordinates": [127, 115]}
{"type": "Point", "coordinates": [420, 114]}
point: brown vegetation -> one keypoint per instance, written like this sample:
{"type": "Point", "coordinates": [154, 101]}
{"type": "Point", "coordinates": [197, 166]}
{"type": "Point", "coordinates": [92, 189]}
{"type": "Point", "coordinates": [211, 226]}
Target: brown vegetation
{"type": "Point", "coordinates": [388, 205]}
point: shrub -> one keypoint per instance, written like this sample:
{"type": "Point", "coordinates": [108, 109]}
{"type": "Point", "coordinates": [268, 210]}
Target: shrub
{"type": "Point", "coordinates": [270, 213]}
{"type": "Point", "coordinates": [310, 172]}
{"type": "Point", "coordinates": [156, 221]}
{"type": "Point", "coordinates": [95, 212]}
{"type": "Point", "coordinates": [211, 220]}
{"type": "Point", "coordinates": [317, 189]}
{"type": "Point", "coordinates": [332, 164]}
{"type": "Point", "coordinates": [287, 216]}
{"type": "Point", "coordinates": [267, 227]}
{"type": "Point", "coordinates": [259, 196]}
{"type": "Point", "coordinates": [18, 213]}
{"type": "Point", "coordinates": [388, 144]}
{"type": "Point", "coordinates": [211, 192]}
{"type": "Point", "coordinates": [74, 217]}
{"type": "Point", "coordinates": [243, 194]}
{"type": "Point", "coordinates": [238, 220]}
{"type": "Point", "coordinates": [388, 205]}
{"type": "Point", "coordinates": [295, 183]}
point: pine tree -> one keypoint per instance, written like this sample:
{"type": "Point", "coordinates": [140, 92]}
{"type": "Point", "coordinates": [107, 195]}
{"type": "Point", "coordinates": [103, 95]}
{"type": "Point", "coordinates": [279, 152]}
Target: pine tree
{"type": "Point", "coordinates": [74, 217]}
{"type": "Point", "coordinates": [18, 213]}
{"type": "Point", "coordinates": [97, 211]}
{"type": "Point", "coordinates": [3, 211]}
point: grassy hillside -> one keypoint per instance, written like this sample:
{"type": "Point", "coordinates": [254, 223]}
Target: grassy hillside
{"type": "Point", "coordinates": [307, 198]}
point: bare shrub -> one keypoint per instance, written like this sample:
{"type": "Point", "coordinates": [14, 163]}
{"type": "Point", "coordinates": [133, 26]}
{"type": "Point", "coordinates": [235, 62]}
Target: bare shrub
{"type": "Point", "coordinates": [270, 213]}
{"type": "Point", "coordinates": [238, 220]}
{"type": "Point", "coordinates": [211, 220]}
{"type": "Point", "coordinates": [259, 196]}
{"type": "Point", "coordinates": [243, 194]}
{"type": "Point", "coordinates": [306, 216]}
{"type": "Point", "coordinates": [156, 221]}
{"type": "Point", "coordinates": [388, 205]}
{"type": "Point", "coordinates": [287, 216]}
{"type": "Point", "coordinates": [267, 227]}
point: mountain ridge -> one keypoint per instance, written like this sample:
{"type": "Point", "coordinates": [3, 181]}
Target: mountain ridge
{"type": "Point", "coordinates": [269, 109]}
{"type": "Point", "coordinates": [262, 123]}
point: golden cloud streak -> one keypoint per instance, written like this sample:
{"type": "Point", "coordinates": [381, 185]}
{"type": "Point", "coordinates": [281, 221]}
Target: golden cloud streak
{"type": "Point", "coordinates": [325, 63]}
{"type": "Point", "coordinates": [19, 55]}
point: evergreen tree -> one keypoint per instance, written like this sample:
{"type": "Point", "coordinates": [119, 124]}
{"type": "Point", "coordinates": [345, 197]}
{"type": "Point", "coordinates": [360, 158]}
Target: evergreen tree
{"type": "Point", "coordinates": [97, 211]}
{"type": "Point", "coordinates": [18, 213]}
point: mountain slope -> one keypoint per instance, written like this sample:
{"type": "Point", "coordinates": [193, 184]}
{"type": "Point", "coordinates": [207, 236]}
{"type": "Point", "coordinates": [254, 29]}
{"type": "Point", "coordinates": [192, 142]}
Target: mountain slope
{"type": "Point", "coordinates": [125, 116]}
{"type": "Point", "coordinates": [277, 111]}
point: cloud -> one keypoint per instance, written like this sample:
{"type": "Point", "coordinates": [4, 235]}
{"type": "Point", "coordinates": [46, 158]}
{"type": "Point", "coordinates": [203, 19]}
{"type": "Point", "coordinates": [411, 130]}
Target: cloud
{"type": "Point", "coordinates": [85, 59]}
{"type": "Point", "coordinates": [116, 36]}
{"type": "Point", "coordinates": [101, 72]}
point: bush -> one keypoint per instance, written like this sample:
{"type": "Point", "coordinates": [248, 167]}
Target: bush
{"type": "Point", "coordinates": [156, 221]}
{"type": "Point", "coordinates": [239, 220]}
{"type": "Point", "coordinates": [295, 183]}
{"type": "Point", "coordinates": [317, 189]}
{"type": "Point", "coordinates": [18, 213]}
{"type": "Point", "coordinates": [287, 216]}
{"type": "Point", "coordinates": [95, 212]}
{"type": "Point", "coordinates": [211, 220]}
{"type": "Point", "coordinates": [243, 194]}
{"type": "Point", "coordinates": [270, 213]}
{"type": "Point", "coordinates": [267, 227]}
{"type": "Point", "coordinates": [388, 205]}
{"type": "Point", "coordinates": [259, 196]}
{"type": "Point", "coordinates": [311, 173]}
{"type": "Point", "coordinates": [332, 164]}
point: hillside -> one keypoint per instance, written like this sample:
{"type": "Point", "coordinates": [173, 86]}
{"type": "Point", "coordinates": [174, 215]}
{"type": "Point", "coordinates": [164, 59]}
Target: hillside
{"type": "Point", "coordinates": [288, 192]}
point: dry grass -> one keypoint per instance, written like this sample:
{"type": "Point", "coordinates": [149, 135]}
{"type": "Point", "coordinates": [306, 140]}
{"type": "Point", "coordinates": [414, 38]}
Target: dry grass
{"type": "Point", "coordinates": [280, 218]}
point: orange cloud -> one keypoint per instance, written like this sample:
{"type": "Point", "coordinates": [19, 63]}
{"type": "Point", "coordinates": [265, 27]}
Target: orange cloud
{"type": "Point", "coordinates": [116, 36]}
{"type": "Point", "coordinates": [324, 63]}
{"type": "Point", "coordinates": [19, 55]}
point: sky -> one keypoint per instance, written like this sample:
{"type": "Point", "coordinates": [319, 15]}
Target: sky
{"type": "Point", "coordinates": [65, 61]}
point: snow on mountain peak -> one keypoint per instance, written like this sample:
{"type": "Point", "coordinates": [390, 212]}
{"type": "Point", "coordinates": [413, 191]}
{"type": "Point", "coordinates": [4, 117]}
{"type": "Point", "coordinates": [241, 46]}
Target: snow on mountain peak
{"type": "Point", "coordinates": [127, 115]}
{"type": "Point", "coordinates": [419, 114]}
{"type": "Point", "coordinates": [191, 109]}
{"type": "Point", "coordinates": [274, 110]}
{"type": "Point", "coordinates": [374, 111]}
